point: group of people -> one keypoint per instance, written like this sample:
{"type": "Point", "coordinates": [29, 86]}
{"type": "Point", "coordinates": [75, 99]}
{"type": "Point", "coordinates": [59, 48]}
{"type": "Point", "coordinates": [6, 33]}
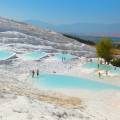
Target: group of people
{"type": "Point", "coordinates": [63, 59]}
{"type": "Point", "coordinates": [100, 74]}
{"type": "Point", "coordinates": [35, 72]}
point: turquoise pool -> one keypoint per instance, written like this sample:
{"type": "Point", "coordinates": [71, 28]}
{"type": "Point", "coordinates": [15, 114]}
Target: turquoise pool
{"type": "Point", "coordinates": [36, 55]}
{"type": "Point", "coordinates": [52, 81]}
{"type": "Point", "coordinates": [64, 57]}
{"type": "Point", "coordinates": [4, 55]}
{"type": "Point", "coordinates": [102, 67]}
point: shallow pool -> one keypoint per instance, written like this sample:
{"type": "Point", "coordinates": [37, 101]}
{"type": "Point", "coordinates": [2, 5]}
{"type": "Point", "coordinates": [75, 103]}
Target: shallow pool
{"type": "Point", "coordinates": [4, 55]}
{"type": "Point", "coordinates": [64, 57]}
{"type": "Point", "coordinates": [52, 81]}
{"type": "Point", "coordinates": [36, 55]}
{"type": "Point", "coordinates": [102, 67]}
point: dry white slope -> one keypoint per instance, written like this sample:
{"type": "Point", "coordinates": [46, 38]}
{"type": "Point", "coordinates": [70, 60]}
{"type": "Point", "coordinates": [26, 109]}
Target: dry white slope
{"type": "Point", "coordinates": [20, 38]}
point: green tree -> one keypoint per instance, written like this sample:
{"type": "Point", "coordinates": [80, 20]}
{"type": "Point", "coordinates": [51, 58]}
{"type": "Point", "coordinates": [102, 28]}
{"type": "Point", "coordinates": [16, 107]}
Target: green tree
{"type": "Point", "coordinates": [104, 49]}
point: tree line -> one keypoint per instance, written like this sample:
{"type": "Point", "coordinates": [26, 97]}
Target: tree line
{"type": "Point", "coordinates": [75, 37]}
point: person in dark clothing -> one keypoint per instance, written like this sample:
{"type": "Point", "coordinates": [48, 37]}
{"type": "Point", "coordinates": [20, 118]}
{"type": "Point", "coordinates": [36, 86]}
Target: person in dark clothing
{"type": "Point", "coordinates": [99, 75]}
{"type": "Point", "coordinates": [98, 66]}
{"type": "Point", "coordinates": [37, 72]}
{"type": "Point", "coordinates": [33, 73]}
{"type": "Point", "coordinates": [62, 59]}
{"type": "Point", "coordinates": [90, 60]}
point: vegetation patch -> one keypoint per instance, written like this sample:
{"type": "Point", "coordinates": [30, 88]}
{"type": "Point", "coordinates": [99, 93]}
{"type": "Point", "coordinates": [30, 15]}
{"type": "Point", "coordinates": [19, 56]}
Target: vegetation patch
{"type": "Point", "coordinates": [116, 62]}
{"type": "Point", "coordinates": [87, 42]}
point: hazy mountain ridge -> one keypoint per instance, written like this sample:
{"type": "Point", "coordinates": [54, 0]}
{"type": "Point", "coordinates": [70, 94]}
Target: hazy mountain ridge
{"type": "Point", "coordinates": [94, 29]}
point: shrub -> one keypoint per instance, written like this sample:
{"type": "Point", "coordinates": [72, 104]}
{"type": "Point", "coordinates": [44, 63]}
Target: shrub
{"type": "Point", "coordinates": [115, 62]}
{"type": "Point", "coordinates": [104, 49]}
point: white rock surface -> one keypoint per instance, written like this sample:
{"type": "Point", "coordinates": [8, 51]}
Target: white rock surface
{"type": "Point", "coordinates": [20, 104]}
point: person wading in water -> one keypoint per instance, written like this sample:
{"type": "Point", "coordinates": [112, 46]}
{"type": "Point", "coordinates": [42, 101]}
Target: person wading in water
{"type": "Point", "coordinates": [99, 75]}
{"type": "Point", "coordinates": [37, 72]}
{"type": "Point", "coordinates": [98, 66]}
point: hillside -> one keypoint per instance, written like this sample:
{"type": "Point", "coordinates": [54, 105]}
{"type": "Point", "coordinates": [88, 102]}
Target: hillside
{"type": "Point", "coordinates": [21, 37]}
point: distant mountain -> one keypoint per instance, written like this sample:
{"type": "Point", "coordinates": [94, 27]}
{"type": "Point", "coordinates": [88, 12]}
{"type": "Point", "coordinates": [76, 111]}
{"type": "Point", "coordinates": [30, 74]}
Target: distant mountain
{"type": "Point", "coordinates": [39, 23]}
{"type": "Point", "coordinates": [93, 29]}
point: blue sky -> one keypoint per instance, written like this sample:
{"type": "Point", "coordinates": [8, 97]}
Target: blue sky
{"type": "Point", "coordinates": [62, 11]}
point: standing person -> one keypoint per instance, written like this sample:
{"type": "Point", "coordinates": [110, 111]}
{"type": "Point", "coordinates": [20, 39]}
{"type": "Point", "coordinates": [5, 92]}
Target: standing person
{"type": "Point", "coordinates": [99, 75]}
{"type": "Point", "coordinates": [91, 60]}
{"type": "Point", "coordinates": [62, 59]}
{"type": "Point", "coordinates": [37, 72]}
{"type": "Point", "coordinates": [98, 66]}
{"type": "Point", "coordinates": [33, 73]}
{"type": "Point", "coordinates": [106, 72]}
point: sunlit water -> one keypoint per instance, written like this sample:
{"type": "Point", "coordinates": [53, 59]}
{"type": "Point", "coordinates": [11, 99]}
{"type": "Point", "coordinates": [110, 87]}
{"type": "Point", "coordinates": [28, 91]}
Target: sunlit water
{"type": "Point", "coordinates": [36, 55]}
{"type": "Point", "coordinates": [4, 55]}
{"type": "Point", "coordinates": [102, 67]}
{"type": "Point", "coordinates": [53, 81]}
{"type": "Point", "coordinates": [64, 57]}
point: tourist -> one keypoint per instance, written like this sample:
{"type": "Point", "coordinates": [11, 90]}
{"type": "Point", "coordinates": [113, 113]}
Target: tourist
{"type": "Point", "coordinates": [33, 73]}
{"type": "Point", "coordinates": [99, 75]}
{"type": "Point", "coordinates": [54, 71]}
{"type": "Point", "coordinates": [106, 72]}
{"type": "Point", "coordinates": [62, 59]}
{"type": "Point", "coordinates": [98, 66]}
{"type": "Point", "coordinates": [91, 60]}
{"type": "Point", "coordinates": [37, 72]}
